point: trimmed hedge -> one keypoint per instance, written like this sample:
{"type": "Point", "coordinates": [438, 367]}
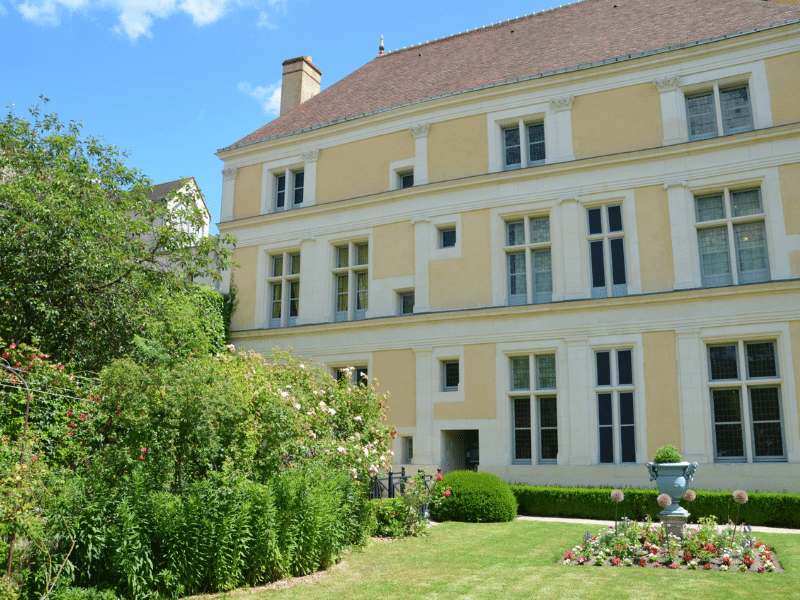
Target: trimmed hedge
{"type": "Point", "coordinates": [763, 508]}
{"type": "Point", "coordinates": [472, 497]}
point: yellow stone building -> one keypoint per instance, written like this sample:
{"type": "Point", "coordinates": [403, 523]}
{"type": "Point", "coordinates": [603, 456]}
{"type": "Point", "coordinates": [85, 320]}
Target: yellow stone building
{"type": "Point", "coordinates": [559, 242]}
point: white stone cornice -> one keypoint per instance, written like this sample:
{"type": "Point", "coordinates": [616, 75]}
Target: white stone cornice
{"type": "Point", "coordinates": [562, 103]}
{"type": "Point", "coordinates": [671, 184]}
{"type": "Point", "coordinates": [310, 155]}
{"type": "Point", "coordinates": [667, 84]}
{"type": "Point", "coordinates": [229, 173]}
{"type": "Point", "coordinates": [419, 130]}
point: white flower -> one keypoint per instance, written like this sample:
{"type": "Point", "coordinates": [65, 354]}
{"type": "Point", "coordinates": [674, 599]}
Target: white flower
{"type": "Point", "coordinates": [391, 453]}
{"type": "Point", "coordinates": [302, 366]}
{"type": "Point", "coordinates": [231, 348]}
{"type": "Point", "coordinates": [297, 406]}
{"type": "Point", "coordinates": [358, 418]}
{"type": "Point", "coordinates": [288, 387]}
{"type": "Point", "coordinates": [354, 473]}
{"type": "Point", "coordinates": [341, 449]}
{"type": "Point", "coordinates": [322, 404]}
{"type": "Point", "coordinates": [312, 435]}
{"type": "Point", "coordinates": [309, 413]}
{"type": "Point", "coordinates": [284, 394]}
{"type": "Point", "coordinates": [331, 412]}
{"type": "Point", "coordinates": [382, 458]}
{"type": "Point", "coordinates": [315, 392]}
{"type": "Point", "coordinates": [366, 452]}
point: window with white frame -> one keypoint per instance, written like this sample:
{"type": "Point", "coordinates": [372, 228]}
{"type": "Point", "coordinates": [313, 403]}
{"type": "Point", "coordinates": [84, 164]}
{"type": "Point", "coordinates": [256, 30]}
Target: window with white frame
{"type": "Point", "coordinates": [408, 449]}
{"type": "Point", "coordinates": [351, 280]}
{"type": "Point", "coordinates": [607, 251]}
{"type": "Point", "coordinates": [745, 387]}
{"type": "Point", "coordinates": [719, 111]}
{"type": "Point", "coordinates": [530, 273]}
{"type": "Point", "coordinates": [731, 231]}
{"type": "Point", "coordinates": [450, 375]}
{"type": "Point", "coordinates": [405, 302]}
{"type": "Point", "coordinates": [534, 409]}
{"type": "Point", "coordinates": [447, 236]}
{"type": "Point", "coordinates": [405, 179]}
{"type": "Point", "coordinates": [523, 145]}
{"type": "Point", "coordinates": [355, 375]}
{"type": "Point", "coordinates": [289, 189]}
{"type": "Point", "coordinates": [614, 390]}
{"type": "Point", "coordinates": [284, 286]}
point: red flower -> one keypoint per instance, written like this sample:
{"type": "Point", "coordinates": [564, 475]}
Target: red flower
{"type": "Point", "coordinates": [69, 433]}
{"type": "Point", "coordinates": [642, 562]}
{"type": "Point", "coordinates": [144, 449]}
{"type": "Point", "coordinates": [141, 458]}
{"type": "Point", "coordinates": [70, 413]}
{"type": "Point", "coordinates": [393, 433]}
{"type": "Point", "coordinates": [707, 566]}
{"type": "Point", "coordinates": [11, 346]}
{"type": "Point", "coordinates": [72, 424]}
{"type": "Point", "coordinates": [83, 417]}
{"type": "Point", "coordinates": [438, 476]}
{"type": "Point", "coordinates": [446, 493]}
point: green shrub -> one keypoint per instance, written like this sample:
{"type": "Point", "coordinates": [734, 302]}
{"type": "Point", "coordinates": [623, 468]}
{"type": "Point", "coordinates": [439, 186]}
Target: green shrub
{"type": "Point", "coordinates": [667, 454]}
{"type": "Point", "coordinates": [472, 497]}
{"type": "Point", "coordinates": [390, 517]}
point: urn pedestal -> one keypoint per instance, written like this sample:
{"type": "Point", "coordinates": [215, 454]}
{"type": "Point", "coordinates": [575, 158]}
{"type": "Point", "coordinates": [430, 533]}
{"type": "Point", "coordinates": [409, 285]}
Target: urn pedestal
{"type": "Point", "coordinates": [671, 479]}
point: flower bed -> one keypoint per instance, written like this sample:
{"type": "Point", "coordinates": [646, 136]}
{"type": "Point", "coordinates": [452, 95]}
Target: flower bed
{"type": "Point", "coordinates": [703, 547]}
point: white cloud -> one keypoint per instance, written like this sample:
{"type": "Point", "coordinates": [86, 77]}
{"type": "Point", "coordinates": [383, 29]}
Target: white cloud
{"type": "Point", "coordinates": [269, 97]}
{"type": "Point", "coordinates": [136, 17]}
{"type": "Point", "coordinates": [3, 11]}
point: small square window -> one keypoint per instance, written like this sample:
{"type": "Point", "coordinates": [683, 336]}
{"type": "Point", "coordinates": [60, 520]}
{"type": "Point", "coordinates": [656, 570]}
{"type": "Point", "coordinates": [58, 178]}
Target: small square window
{"type": "Point", "coordinates": [449, 375]}
{"type": "Point", "coordinates": [447, 237]}
{"type": "Point", "coordinates": [406, 303]}
{"type": "Point", "coordinates": [405, 180]}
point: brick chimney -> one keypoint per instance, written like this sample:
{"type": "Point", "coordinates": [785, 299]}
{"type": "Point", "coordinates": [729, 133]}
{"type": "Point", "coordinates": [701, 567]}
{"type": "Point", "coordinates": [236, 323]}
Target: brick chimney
{"type": "Point", "coordinates": [301, 81]}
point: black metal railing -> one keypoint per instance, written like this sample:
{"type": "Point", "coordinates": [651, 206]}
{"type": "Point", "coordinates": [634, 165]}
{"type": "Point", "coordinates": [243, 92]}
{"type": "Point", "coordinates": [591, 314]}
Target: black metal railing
{"type": "Point", "coordinates": [393, 484]}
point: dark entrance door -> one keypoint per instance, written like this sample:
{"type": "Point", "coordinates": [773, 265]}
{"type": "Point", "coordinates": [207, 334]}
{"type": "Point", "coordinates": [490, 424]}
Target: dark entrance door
{"type": "Point", "coordinates": [461, 450]}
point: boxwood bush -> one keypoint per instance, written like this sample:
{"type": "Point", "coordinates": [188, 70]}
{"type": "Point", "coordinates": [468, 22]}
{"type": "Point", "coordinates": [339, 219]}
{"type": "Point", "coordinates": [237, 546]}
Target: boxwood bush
{"type": "Point", "coordinates": [764, 508]}
{"type": "Point", "coordinates": [473, 498]}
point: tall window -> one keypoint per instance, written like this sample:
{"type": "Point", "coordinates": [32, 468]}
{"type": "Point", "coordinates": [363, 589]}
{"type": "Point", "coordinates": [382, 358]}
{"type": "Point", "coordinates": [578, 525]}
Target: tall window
{"type": "Point", "coordinates": [534, 410]}
{"type": "Point", "coordinates": [730, 231]}
{"type": "Point", "coordinates": [351, 280]}
{"type": "Point", "coordinates": [753, 432]}
{"type": "Point", "coordinates": [284, 283]}
{"type": "Point", "coordinates": [614, 389]}
{"type": "Point", "coordinates": [719, 112]}
{"type": "Point", "coordinates": [450, 375]}
{"type": "Point", "coordinates": [607, 251]}
{"type": "Point", "coordinates": [530, 273]}
{"type": "Point", "coordinates": [291, 196]}
{"type": "Point", "coordinates": [523, 145]}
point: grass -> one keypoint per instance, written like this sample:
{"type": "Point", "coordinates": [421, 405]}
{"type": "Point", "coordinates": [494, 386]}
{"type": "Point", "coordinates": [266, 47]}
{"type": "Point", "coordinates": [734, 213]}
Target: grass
{"type": "Point", "coordinates": [518, 560]}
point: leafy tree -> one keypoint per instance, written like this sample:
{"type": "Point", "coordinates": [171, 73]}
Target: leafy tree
{"type": "Point", "coordinates": [87, 261]}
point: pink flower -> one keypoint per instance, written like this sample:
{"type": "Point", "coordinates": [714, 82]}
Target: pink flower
{"type": "Point", "coordinates": [11, 346]}
{"type": "Point", "coordinates": [35, 458]}
{"type": "Point", "coordinates": [83, 417]}
{"type": "Point", "coordinates": [141, 458]}
{"type": "Point", "coordinates": [144, 449]}
{"type": "Point", "coordinates": [446, 493]}
{"type": "Point", "coordinates": [438, 476]}
{"type": "Point", "coordinates": [69, 433]}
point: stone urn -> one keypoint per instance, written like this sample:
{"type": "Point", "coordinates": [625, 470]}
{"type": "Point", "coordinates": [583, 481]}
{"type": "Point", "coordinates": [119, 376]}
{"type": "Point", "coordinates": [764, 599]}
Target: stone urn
{"type": "Point", "coordinates": [671, 479]}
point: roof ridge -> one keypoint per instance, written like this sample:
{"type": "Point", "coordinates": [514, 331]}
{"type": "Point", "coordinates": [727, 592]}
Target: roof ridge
{"type": "Point", "coordinates": [482, 28]}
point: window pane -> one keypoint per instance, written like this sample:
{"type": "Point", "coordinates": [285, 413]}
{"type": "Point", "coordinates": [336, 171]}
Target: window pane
{"type": "Point", "coordinates": [626, 408]}
{"type": "Point", "coordinates": [520, 373]}
{"type": "Point", "coordinates": [764, 404]}
{"type": "Point", "coordinates": [606, 445]}
{"type": "Point", "coordinates": [736, 114]}
{"type": "Point", "coordinates": [516, 274]}
{"type": "Point", "coordinates": [280, 194]}
{"type": "Point", "coordinates": [614, 218]}
{"type": "Point", "coordinates": [547, 412]}
{"type": "Point", "coordinates": [342, 259]}
{"type": "Point", "coordinates": [407, 304]}
{"type": "Point", "coordinates": [362, 283]}
{"type": "Point", "coordinates": [294, 267]}
{"type": "Point", "coordinates": [746, 202]}
{"type": "Point", "coordinates": [362, 254]}
{"type": "Point", "coordinates": [522, 413]}
{"type": "Point", "coordinates": [549, 438]}
{"type": "Point", "coordinates": [277, 266]}
{"type": "Point", "coordinates": [298, 187]}
{"type": "Point", "coordinates": [598, 264]}
{"type": "Point", "coordinates": [627, 440]}
{"type": "Point", "coordinates": [724, 362]}
{"type": "Point", "coordinates": [513, 157]}
{"type": "Point", "coordinates": [751, 246]}
{"type": "Point", "coordinates": [761, 359]}
{"type": "Point", "coordinates": [341, 293]}
{"type": "Point", "coordinates": [617, 261]}
{"type": "Point", "coordinates": [767, 439]}
{"type": "Point", "coordinates": [603, 360]}
{"type": "Point", "coordinates": [540, 230]}
{"type": "Point", "coordinates": [294, 298]}
{"type": "Point", "coordinates": [543, 271]}
{"type": "Point", "coordinates": [727, 408]}
{"type": "Point", "coordinates": [277, 292]}
{"type": "Point", "coordinates": [595, 221]}
{"type": "Point", "coordinates": [522, 444]}
{"type": "Point", "coordinates": [710, 208]}
{"type": "Point", "coordinates": [407, 181]}
{"type": "Point", "coordinates": [448, 238]}
{"type": "Point", "coordinates": [624, 367]}
{"type": "Point", "coordinates": [729, 440]}
{"type": "Point", "coordinates": [451, 375]}
{"type": "Point", "coordinates": [536, 142]}
{"type": "Point", "coordinates": [701, 113]}
{"type": "Point", "coordinates": [515, 231]}
{"type": "Point", "coordinates": [546, 372]}
{"type": "Point", "coordinates": [605, 415]}
{"type": "Point", "coordinates": [715, 259]}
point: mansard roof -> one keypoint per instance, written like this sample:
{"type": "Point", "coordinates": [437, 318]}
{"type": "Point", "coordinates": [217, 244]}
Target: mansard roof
{"type": "Point", "coordinates": [581, 35]}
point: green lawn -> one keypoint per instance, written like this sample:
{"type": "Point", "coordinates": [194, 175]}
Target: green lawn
{"type": "Point", "coordinates": [518, 560]}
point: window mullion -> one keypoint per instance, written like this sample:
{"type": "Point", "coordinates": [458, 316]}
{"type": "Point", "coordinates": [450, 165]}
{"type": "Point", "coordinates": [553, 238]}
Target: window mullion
{"type": "Point", "coordinates": [718, 109]}
{"type": "Point", "coordinates": [523, 144]}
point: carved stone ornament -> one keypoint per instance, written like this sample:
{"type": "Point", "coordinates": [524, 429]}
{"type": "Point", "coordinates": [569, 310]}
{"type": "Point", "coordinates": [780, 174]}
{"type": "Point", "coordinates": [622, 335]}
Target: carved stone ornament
{"type": "Point", "coordinates": [563, 103]}
{"type": "Point", "coordinates": [229, 173]}
{"type": "Point", "coordinates": [667, 84]}
{"type": "Point", "coordinates": [419, 130]}
{"type": "Point", "coordinates": [670, 184]}
{"type": "Point", "coordinates": [310, 155]}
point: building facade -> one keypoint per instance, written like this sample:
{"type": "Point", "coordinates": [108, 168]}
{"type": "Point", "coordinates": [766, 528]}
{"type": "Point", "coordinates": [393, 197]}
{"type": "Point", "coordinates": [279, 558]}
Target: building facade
{"type": "Point", "coordinates": [559, 242]}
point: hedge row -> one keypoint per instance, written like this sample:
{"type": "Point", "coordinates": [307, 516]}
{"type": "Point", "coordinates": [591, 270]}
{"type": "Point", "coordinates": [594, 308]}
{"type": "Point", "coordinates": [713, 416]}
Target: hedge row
{"type": "Point", "coordinates": [763, 508]}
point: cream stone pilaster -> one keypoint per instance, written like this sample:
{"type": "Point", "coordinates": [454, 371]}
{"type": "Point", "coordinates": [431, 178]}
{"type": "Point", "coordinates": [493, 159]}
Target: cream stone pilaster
{"type": "Point", "coordinates": [575, 275]}
{"type": "Point", "coordinates": [310, 178]}
{"type": "Point", "coordinates": [673, 109]}
{"type": "Point", "coordinates": [686, 261]}
{"type": "Point", "coordinates": [312, 278]}
{"type": "Point", "coordinates": [420, 133]}
{"type": "Point", "coordinates": [228, 186]}
{"type": "Point", "coordinates": [422, 296]}
{"type": "Point", "coordinates": [695, 404]}
{"type": "Point", "coordinates": [582, 410]}
{"type": "Point", "coordinates": [558, 126]}
{"type": "Point", "coordinates": [424, 450]}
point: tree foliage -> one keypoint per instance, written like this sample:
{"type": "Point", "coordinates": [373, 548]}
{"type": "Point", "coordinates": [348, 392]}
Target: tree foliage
{"type": "Point", "coordinates": [86, 259]}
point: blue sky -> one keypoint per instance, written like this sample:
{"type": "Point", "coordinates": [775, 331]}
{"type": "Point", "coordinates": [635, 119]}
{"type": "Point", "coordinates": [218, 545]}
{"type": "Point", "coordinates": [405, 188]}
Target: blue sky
{"type": "Point", "coordinates": [173, 81]}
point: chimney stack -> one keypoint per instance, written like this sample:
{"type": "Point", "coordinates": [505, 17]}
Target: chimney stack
{"type": "Point", "coordinates": [301, 81]}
